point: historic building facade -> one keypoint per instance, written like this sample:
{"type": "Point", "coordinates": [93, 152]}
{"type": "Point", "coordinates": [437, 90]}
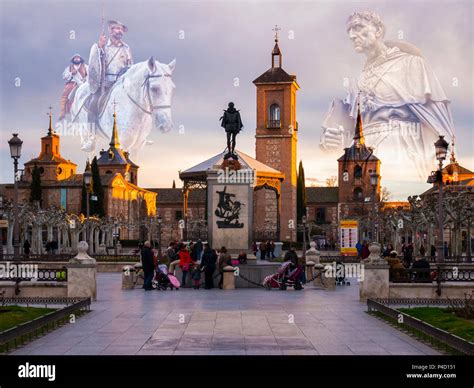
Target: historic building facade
{"type": "Point", "coordinates": [62, 186]}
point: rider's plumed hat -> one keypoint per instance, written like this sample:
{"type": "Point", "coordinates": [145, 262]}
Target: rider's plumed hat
{"type": "Point", "coordinates": [113, 23]}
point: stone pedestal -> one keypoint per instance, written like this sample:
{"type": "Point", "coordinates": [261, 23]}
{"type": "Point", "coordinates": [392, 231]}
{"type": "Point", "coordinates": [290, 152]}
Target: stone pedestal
{"type": "Point", "coordinates": [102, 250]}
{"type": "Point", "coordinates": [327, 280]}
{"type": "Point", "coordinates": [128, 277]}
{"type": "Point", "coordinates": [375, 283]}
{"type": "Point", "coordinates": [230, 210]}
{"type": "Point", "coordinates": [229, 278]}
{"type": "Point", "coordinates": [278, 249]}
{"type": "Point", "coordinates": [82, 274]}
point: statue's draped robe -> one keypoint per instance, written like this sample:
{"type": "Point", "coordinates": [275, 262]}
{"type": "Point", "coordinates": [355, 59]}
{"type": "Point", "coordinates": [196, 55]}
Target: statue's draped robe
{"type": "Point", "coordinates": [404, 110]}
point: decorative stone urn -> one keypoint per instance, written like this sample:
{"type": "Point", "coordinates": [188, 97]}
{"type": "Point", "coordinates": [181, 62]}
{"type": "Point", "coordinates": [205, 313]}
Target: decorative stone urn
{"type": "Point", "coordinates": [374, 256]}
{"type": "Point", "coordinates": [82, 256]}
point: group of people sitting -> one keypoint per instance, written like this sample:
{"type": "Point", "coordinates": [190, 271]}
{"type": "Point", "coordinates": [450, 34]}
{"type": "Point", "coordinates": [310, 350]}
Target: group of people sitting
{"type": "Point", "coordinates": [194, 259]}
{"type": "Point", "coordinates": [420, 267]}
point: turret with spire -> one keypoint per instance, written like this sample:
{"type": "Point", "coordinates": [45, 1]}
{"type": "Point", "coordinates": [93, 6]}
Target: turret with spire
{"type": "Point", "coordinates": [115, 159]}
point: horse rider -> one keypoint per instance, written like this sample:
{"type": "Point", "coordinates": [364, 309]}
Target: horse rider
{"type": "Point", "coordinates": [75, 75]}
{"type": "Point", "coordinates": [108, 60]}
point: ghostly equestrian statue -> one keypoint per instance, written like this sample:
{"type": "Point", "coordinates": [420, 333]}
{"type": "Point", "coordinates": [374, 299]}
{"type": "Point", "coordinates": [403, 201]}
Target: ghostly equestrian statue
{"type": "Point", "coordinates": [232, 123]}
{"type": "Point", "coordinates": [143, 92]}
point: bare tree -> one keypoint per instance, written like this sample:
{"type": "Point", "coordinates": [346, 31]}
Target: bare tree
{"type": "Point", "coordinates": [331, 181]}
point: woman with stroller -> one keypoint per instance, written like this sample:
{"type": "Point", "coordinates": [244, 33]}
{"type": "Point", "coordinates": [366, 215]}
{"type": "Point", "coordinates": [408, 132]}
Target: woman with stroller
{"type": "Point", "coordinates": [184, 262]}
{"type": "Point", "coordinates": [208, 265]}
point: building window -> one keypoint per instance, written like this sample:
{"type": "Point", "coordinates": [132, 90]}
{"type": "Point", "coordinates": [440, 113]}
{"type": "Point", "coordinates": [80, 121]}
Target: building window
{"type": "Point", "coordinates": [46, 148]}
{"type": "Point", "coordinates": [108, 172]}
{"type": "Point", "coordinates": [274, 116]}
{"type": "Point", "coordinates": [358, 194]}
{"type": "Point", "coordinates": [320, 215]}
{"type": "Point", "coordinates": [178, 215]}
{"type": "Point", "coordinates": [357, 172]}
{"type": "Point", "coordinates": [41, 170]}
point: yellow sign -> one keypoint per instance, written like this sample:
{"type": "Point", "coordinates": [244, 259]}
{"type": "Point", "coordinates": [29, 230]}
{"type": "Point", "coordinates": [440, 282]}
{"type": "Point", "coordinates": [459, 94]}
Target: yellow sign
{"type": "Point", "coordinates": [348, 234]}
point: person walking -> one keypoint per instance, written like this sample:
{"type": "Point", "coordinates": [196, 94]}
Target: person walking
{"type": "Point", "coordinates": [147, 265]}
{"type": "Point", "coordinates": [184, 262]}
{"type": "Point", "coordinates": [263, 250]}
{"type": "Point", "coordinates": [224, 259]}
{"type": "Point", "coordinates": [196, 276]}
{"type": "Point", "coordinates": [422, 250]}
{"type": "Point", "coordinates": [199, 247]}
{"type": "Point", "coordinates": [254, 248]}
{"type": "Point", "coordinates": [208, 265]}
{"type": "Point", "coordinates": [26, 248]}
{"type": "Point", "coordinates": [433, 252]}
{"type": "Point", "coordinates": [365, 250]}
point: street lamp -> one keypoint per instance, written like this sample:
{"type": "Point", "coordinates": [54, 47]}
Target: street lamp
{"type": "Point", "coordinates": [87, 183]}
{"type": "Point", "coordinates": [374, 181]}
{"type": "Point", "coordinates": [441, 147]}
{"type": "Point", "coordinates": [303, 220]}
{"type": "Point", "coordinates": [15, 152]}
{"type": "Point", "coordinates": [160, 220]}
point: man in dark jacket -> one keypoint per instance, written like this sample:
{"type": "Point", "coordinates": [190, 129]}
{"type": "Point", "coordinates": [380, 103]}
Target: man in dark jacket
{"type": "Point", "coordinates": [423, 265]}
{"type": "Point", "coordinates": [208, 265]}
{"type": "Point", "coordinates": [148, 265]}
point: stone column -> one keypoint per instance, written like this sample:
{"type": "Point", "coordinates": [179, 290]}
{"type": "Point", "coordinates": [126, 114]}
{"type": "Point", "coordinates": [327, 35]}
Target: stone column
{"type": "Point", "coordinates": [375, 279]}
{"type": "Point", "coordinates": [229, 278]}
{"type": "Point", "coordinates": [82, 274]}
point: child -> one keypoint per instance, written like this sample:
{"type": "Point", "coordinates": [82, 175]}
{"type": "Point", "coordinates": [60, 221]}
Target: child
{"type": "Point", "coordinates": [196, 276]}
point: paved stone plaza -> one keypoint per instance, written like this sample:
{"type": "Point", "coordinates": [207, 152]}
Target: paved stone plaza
{"type": "Point", "coordinates": [216, 322]}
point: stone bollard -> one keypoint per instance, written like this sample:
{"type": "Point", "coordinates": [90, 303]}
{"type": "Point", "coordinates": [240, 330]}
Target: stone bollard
{"type": "Point", "coordinates": [128, 277]}
{"type": "Point", "coordinates": [278, 249]}
{"type": "Point", "coordinates": [328, 278]}
{"type": "Point", "coordinates": [309, 269]}
{"type": "Point", "coordinates": [229, 278]}
{"type": "Point", "coordinates": [375, 281]}
{"type": "Point", "coordinates": [82, 274]}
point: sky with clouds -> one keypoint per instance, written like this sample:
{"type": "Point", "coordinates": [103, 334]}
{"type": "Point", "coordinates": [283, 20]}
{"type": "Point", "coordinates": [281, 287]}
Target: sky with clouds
{"type": "Point", "coordinates": [223, 40]}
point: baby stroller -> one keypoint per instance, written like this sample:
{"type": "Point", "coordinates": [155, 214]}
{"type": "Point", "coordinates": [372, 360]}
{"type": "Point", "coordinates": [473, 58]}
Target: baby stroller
{"type": "Point", "coordinates": [288, 275]}
{"type": "Point", "coordinates": [341, 274]}
{"type": "Point", "coordinates": [163, 279]}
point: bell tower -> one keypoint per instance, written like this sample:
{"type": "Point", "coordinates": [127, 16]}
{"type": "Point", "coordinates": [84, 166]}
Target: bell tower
{"type": "Point", "coordinates": [277, 133]}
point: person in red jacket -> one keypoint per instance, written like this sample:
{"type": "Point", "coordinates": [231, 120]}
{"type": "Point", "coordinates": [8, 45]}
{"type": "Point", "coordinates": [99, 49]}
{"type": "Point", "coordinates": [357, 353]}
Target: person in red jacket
{"type": "Point", "coordinates": [185, 262]}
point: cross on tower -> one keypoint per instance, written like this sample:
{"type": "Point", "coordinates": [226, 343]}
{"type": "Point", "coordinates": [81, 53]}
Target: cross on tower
{"type": "Point", "coordinates": [276, 29]}
{"type": "Point", "coordinates": [114, 103]}
{"type": "Point", "coordinates": [50, 114]}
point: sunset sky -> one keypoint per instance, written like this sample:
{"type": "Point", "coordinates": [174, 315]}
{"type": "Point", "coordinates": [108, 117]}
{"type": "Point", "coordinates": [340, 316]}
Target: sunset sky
{"type": "Point", "coordinates": [224, 40]}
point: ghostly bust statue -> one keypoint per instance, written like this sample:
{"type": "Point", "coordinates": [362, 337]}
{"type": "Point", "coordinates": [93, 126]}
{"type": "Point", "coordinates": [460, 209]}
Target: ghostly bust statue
{"type": "Point", "coordinates": [403, 106]}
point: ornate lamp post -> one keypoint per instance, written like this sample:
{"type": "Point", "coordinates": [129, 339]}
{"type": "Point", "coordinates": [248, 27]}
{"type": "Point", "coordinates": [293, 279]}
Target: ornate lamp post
{"type": "Point", "coordinates": [15, 152]}
{"type": "Point", "coordinates": [374, 181]}
{"type": "Point", "coordinates": [441, 147]}
{"type": "Point", "coordinates": [304, 220]}
{"type": "Point", "coordinates": [159, 220]}
{"type": "Point", "coordinates": [87, 182]}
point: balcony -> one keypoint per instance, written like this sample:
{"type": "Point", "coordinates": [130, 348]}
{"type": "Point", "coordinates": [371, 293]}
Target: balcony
{"type": "Point", "coordinates": [273, 124]}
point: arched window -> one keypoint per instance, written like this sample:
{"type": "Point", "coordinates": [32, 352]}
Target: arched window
{"type": "Point", "coordinates": [357, 172]}
{"type": "Point", "coordinates": [357, 193]}
{"type": "Point", "coordinates": [274, 116]}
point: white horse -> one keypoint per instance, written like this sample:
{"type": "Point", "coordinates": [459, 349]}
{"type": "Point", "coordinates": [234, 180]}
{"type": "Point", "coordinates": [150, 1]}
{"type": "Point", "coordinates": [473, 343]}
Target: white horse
{"type": "Point", "coordinates": [143, 98]}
